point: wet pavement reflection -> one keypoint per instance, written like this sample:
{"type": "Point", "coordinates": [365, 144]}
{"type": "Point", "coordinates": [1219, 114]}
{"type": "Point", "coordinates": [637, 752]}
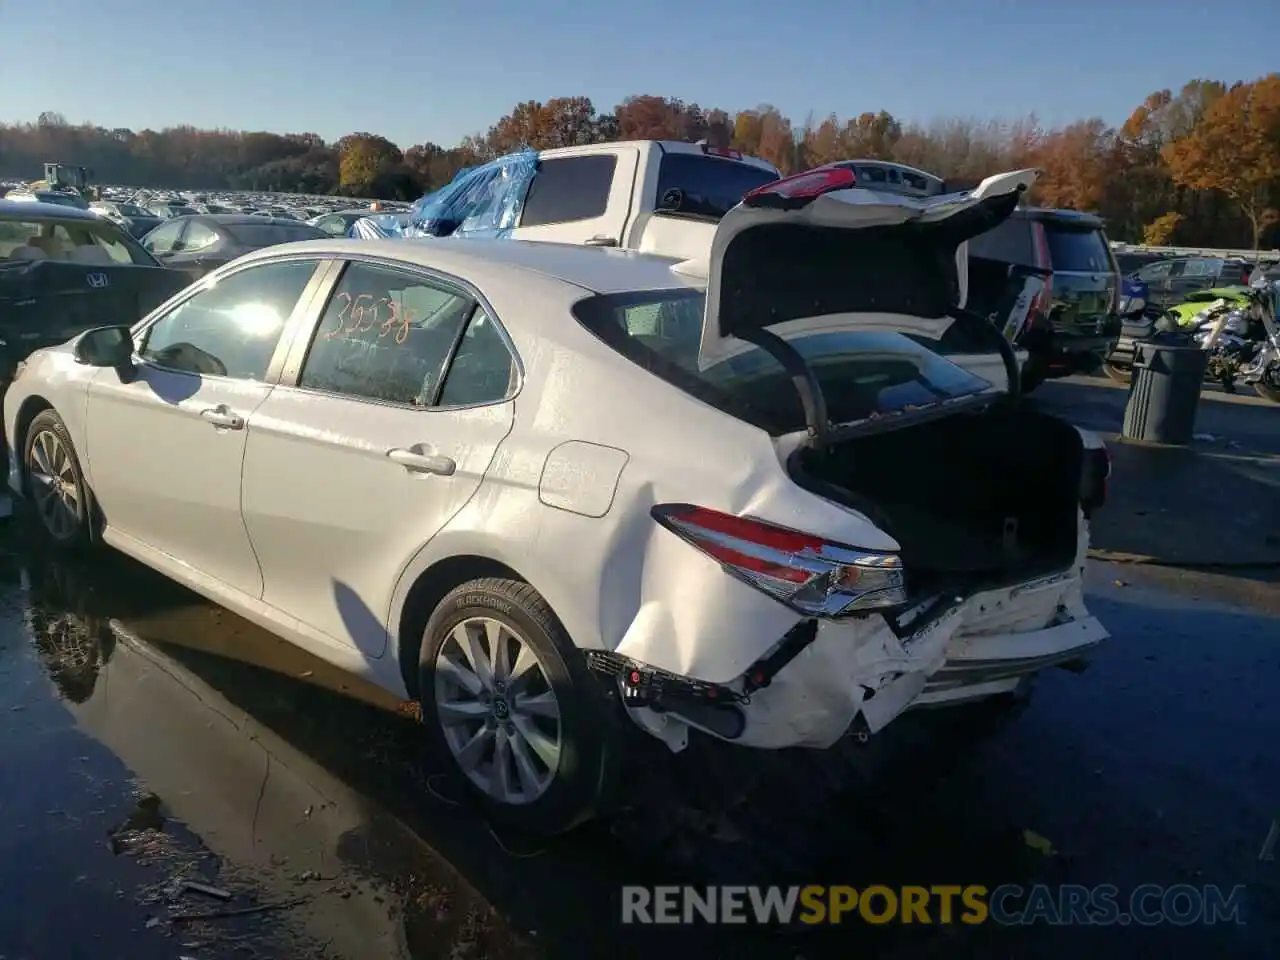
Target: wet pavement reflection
{"type": "Point", "coordinates": [180, 783]}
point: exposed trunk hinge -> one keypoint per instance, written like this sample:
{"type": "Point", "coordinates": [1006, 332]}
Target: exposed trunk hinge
{"type": "Point", "coordinates": [802, 377]}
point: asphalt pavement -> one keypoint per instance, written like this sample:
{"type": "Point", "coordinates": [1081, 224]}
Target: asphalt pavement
{"type": "Point", "coordinates": [178, 783]}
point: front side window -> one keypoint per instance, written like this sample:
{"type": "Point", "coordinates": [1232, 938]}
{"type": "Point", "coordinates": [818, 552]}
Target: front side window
{"type": "Point", "coordinates": [1155, 271]}
{"type": "Point", "coordinates": [386, 335]}
{"type": "Point", "coordinates": [863, 373]}
{"type": "Point", "coordinates": [230, 329]}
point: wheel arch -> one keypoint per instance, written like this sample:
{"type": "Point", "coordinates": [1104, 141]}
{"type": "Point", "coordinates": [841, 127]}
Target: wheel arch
{"type": "Point", "coordinates": [424, 595]}
{"type": "Point", "coordinates": [31, 408]}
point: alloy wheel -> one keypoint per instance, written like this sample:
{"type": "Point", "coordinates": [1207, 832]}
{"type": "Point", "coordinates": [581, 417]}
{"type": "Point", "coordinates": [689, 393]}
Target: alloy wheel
{"type": "Point", "coordinates": [54, 490]}
{"type": "Point", "coordinates": [498, 712]}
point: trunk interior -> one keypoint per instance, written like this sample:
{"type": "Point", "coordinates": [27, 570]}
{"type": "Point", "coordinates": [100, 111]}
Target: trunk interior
{"type": "Point", "coordinates": [975, 499]}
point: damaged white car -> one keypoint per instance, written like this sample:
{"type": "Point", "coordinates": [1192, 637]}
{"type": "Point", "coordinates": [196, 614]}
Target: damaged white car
{"type": "Point", "coordinates": [544, 488]}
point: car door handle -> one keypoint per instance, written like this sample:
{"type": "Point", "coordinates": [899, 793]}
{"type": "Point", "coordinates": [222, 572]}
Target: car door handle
{"type": "Point", "coordinates": [600, 242]}
{"type": "Point", "coordinates": [416, 462]}
{"type": "Point", "coordinates": [221, 416]}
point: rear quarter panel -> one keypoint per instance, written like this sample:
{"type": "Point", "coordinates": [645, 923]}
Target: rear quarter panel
{"type": "Point", "coordinates": [619, 581]}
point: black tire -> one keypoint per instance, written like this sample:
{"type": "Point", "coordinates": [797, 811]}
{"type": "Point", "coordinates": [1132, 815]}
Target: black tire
{"type": "Point", "coordinates": [1118, 374]}
{"type": "Point", "coordinates": [586, 725]}
{"type": "Point", "coordinates": [45, 429]}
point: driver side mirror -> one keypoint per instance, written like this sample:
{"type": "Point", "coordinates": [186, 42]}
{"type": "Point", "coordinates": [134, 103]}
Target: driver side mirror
{"type": "Point", "coordinates": [108, 347]}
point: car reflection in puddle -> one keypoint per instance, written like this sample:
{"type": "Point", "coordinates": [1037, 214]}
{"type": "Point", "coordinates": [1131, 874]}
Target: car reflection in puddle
{"type": "Point", "coordinates": [200, 706]}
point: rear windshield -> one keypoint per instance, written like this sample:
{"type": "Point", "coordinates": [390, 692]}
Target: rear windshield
{"type": "Point", "coordinates": [90, 242]}
{"type": "Point", "coordinates": [703, 186]}
{"type": "Point", "coordinates": [864, 373]}
{"type": "Point", "coordinates": [269, 234]}
{"type": "Point", "coordinates": [1010, 242]}
{"type": "Point", "coordinates": [1077, 250]}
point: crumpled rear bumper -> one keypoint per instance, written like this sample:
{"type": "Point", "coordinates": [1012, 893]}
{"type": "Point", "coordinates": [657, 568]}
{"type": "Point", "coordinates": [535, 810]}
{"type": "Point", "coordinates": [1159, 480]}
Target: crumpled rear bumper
{"type": "Point", "coordinates": [860, 671]}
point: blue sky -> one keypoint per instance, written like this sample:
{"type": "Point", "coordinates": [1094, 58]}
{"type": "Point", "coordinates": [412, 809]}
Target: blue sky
{"type": "Point", "coordinates": [416, 71]}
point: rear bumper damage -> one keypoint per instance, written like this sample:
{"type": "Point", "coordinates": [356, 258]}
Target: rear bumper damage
{"type": "Point", "coordinates": [826, 679]}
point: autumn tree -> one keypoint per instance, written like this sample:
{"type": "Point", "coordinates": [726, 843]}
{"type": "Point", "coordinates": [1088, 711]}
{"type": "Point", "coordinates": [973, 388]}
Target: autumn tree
{"type": "Point", "coordinates": [1235, 149]}
{"type": "Point", "coordinates": [649, 117]}
{"type": "Point", "coordinates": [362, 159]}
{"type": "Point", "coordinates": [1075, 161]}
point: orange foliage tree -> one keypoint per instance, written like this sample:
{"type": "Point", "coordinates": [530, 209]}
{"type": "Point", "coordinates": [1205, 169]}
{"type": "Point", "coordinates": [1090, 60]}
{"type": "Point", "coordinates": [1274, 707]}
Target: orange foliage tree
{"type": "Point", "coordinates": [1199, 163]}
{"type": "Point", "coordinates": [1235, 148]}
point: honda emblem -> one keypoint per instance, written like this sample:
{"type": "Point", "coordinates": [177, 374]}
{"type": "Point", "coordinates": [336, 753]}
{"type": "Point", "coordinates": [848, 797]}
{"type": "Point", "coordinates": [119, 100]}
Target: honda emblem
{"type": "Point", "coordinates": [98, 280]}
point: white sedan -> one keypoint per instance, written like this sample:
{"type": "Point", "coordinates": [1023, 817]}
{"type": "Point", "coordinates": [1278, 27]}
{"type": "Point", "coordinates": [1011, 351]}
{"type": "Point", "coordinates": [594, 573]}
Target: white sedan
{"type": "Point", "coordinates": [540, 487]}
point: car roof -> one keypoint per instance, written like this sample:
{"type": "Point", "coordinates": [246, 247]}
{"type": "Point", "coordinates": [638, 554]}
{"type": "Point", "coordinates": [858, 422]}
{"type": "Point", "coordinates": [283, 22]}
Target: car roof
{"type": "Point", "coordinates": [240, 219]}
{"type": "Point", "coordinates": [38, 210]}
{"type": "Point", "coordinates": [598, 269]}
{"type": "Point", "coordinates": [1075, 217]}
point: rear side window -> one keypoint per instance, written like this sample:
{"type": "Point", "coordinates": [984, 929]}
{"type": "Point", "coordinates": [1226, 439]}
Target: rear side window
{"type": "Point", "coordinates": [569, 188]}
{"type": "Point", "coordinates": [1010, 242]}
{"type": "Point", "coordinates": [1077, 250]}
{"type": "Point", "coordinates": [697, 185]}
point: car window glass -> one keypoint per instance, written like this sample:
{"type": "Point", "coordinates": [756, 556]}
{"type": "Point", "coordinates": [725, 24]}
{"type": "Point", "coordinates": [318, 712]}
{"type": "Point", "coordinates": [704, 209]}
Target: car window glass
{"type": "Point", "coordinates": [231, 328]}
{"type": "Point", "coordinates": [569, 188]}
{"type": "Point", "coordinates": [703, 185]}
{"type": "Point", "coordinates": [1201, 268]}
{"type": "Point", "coordinates": [483, 369]}
{"type": "Point", "coordinates": [334, 226]}
{"type": "Point", "coordinates": [1010, 242]}
{"type": "Point", "coordinates": [385, 335]}
{"type": "Point", "coordinates": [162, 238]}
{"type": "Point", "coordinates": [1076, 250]}
{"type": "Point", "coordinates": [1155, 271]}
{"type": "Point", "coordinates": [199, 236]}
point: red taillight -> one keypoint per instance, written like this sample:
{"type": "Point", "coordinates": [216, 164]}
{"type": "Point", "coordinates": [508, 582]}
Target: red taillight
{"type": "Point", "coordinates": [1044, 299]}
{"type": "Point", "coordinates": [805, 571]}
{"type": "Point", "coordinates": [801, 187]}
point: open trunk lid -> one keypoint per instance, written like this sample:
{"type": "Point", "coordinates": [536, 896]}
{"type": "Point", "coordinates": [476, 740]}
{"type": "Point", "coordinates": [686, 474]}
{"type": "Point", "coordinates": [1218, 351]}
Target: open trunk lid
{"type": "Point", "coordinates": [777, 256]}
{"type": "Point", "coordinates": [814, 252]}
{"type": "Point", "coordinates": [46, 302]}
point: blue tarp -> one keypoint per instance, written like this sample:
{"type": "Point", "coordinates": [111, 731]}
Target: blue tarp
{"type": "Point", "coordinates": [482, 201]}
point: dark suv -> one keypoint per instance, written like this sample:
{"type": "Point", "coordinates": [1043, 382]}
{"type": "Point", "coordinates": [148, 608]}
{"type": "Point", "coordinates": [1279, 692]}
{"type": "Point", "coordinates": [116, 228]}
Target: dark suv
{"type": "Point", "coordinates": [1169, 282]}
{"type": "Point", "coordinates": [1072, 324]}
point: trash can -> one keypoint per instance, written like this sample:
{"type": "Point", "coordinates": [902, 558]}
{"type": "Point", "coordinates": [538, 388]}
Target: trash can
{"type": "Point", "coordinates": [1164, 392]}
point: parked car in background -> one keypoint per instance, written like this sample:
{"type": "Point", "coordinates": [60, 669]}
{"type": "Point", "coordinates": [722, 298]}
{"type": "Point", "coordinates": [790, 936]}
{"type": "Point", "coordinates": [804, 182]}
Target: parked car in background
{"type": "Point", "coordinates": [338, 224]}
{"type": "Point", "coordinates": [167, 209]}
{"type": "Point", "coordinates": [550, 490]}
{"type": "Point", "coordinates": [201, 243]}
{"type": "Point", "coordinates": [1130, 261]}
{"type": "Point", "coordinates": [1073, 324]}
{"type": "Point", "coordinates": [63, 270]}
{"type": "Point", "coordinates": [888, 177]}
{"type": "Point", "coordinates": [1171, 281]}
{"type": "Point", "coordinates": [137, 221]}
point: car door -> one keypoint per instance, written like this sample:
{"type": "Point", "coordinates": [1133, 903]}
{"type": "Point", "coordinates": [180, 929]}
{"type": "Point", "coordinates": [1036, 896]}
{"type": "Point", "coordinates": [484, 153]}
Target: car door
{"type": "Point", "coordinates": [165, 450]}
{"type": "Point", "coordinates": [385, 420]}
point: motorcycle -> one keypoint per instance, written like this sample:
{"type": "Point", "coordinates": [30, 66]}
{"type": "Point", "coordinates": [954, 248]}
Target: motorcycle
{"type": "Point", "coordinates": [1136, 323]}
{"type": "Point", "coordinates": [1239, 328]}
{"type": "Point", "coordinates": [1242, 337]}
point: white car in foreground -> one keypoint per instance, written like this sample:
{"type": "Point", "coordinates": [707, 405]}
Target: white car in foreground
{"type": "Point", "coordinates": [540, 487]}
